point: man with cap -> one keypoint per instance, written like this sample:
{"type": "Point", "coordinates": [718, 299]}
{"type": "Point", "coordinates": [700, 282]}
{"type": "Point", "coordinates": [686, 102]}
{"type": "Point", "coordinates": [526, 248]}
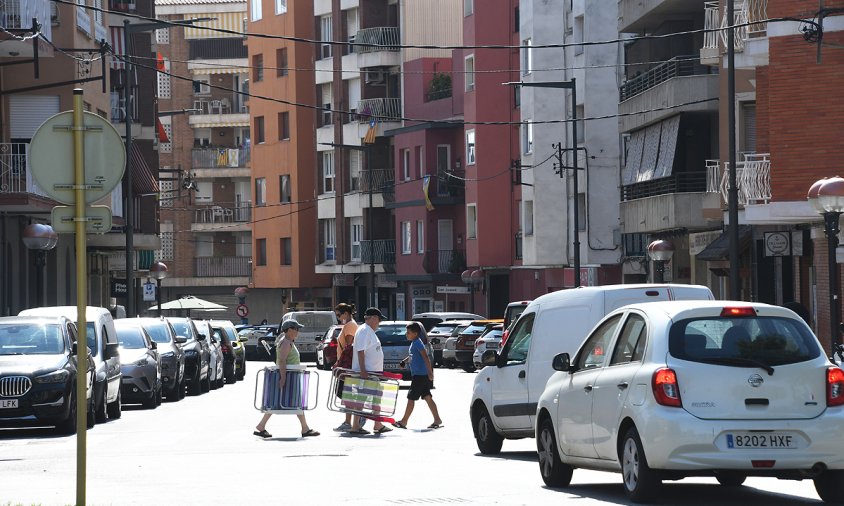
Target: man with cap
{"type": "Point", "coordinates": [368, 358]}
{"type": "Point", "coordinates": [286, 354]}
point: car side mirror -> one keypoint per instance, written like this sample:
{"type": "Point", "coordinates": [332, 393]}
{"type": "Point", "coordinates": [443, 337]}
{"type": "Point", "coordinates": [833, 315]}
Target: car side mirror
{"type": "Point", "coordinates": [154, 345]}
{"type": "Point", "coordinates": [74, 348]}
{"type": "Point", "coordinates": [562, 362]}
{"type": "Point", "coordinates": [489, 357]}
{"type": "Point", "coordinates": [181, 339]}
{"type": "Point", "coordinates": [112, 350]}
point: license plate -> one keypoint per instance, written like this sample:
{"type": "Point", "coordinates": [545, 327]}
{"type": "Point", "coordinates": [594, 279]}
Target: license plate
{"type": "Point", "coordinates": [492, 346]}
{"type": "Point", "coordinates": [8, 403]}
{"type": "Point", "coordinates": [754, 440]}
{"type": "Point", "coordinates": [392, 366]}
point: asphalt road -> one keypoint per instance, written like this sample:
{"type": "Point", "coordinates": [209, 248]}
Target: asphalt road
{"type": "Point", "coordinates": [201, 451]}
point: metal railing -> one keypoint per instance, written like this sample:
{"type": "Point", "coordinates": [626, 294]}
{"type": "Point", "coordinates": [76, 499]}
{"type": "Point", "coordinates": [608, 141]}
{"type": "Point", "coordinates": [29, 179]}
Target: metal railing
{"type": "Point", "coordinates": [679, 66]}
{"type": "Point", "coordinates": [213, 158]}
{"type": "Point", "coordinates": [753, 178]}
{"type": "Point", "coordinates": [680, 182]}
{"type": "Point", "coordinates": [222, 266]}
{"type": "Point", "coordinates": [749, 18]}
{"type": "Point", "coordinates": [711, 21]}
{"type": "Point", "coordinates": [382, 179]}
{"type": "Point", "coordinates": [233, 104]}
{"type": "Point", "coordinates": [15, 176]}
{"type": "Point", "coordinates": [381, 109]}
{"type": "Point", "coordinates": [10, 14]}
{"type": "Point", "coordinates": [382, 38]}
{"type": "Point", "coordinates": [219, 214]}
{"type": "Point", "coordinates": [444, 261]}
{"type": "Point", "coordinates": [379, 251]}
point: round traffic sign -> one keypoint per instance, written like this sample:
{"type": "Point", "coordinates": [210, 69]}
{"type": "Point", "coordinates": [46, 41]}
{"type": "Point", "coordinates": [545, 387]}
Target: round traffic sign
{"type": "Point", "coordinates": [242, 311]}
{"type": "Point", "coordinates": [51, 157]}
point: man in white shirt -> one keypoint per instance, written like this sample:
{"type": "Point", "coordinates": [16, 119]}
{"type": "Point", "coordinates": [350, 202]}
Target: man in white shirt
{"type": "Point", "coordinates": [368, 358]}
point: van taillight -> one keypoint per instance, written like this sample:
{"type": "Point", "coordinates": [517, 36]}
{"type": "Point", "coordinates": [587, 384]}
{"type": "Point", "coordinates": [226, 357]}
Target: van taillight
{"type": "Point", "coordinates": [665, 388]}
{"type": "Point", "coordinates": [834, 386]}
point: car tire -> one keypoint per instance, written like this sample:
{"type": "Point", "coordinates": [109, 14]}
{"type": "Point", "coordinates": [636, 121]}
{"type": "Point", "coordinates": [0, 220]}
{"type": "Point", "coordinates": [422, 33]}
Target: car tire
{"type": "Point", "coordinates": [489, 441]}
{"type": "Point", "coordinates": [242, 373]}
{"type": "Point", "coordinates": [730, 478]}
{"type": "Point", "coordinates": [641, 483]}
{"type": "Point", "coordinates": [115, 409]}
{"type": "Point", "coordinates": [196, 385]}
{"type": "Point", "coordinates": [91, 415]}
{"type": "Point", "coordinates": [150, 402]}
{"type": "Point", "coordinates": [100, 407]}
{"type": "Point", "coordinates": [469, 368]}
{"type": "Point", "coordinates": [182, 389]}
{"type": "Point", "coordinates": [206, 384]}
{"type": "Point", "coordinates": [830, 486]}
{"type": "Point", "coordinates": [68, 425]}
{"type": "Point", "coordinates": [554, 472]}
{"type": "Point", "coordinates": [230, 375]}
{"type": "Point", "coordinates": [173, 394]}
{"type": "Point", "coordinates": [158, 395]}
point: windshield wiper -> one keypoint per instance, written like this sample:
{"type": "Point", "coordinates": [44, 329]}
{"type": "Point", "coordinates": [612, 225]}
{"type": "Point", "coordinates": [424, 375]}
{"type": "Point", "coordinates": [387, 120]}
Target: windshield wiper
{"type": "Point", "coordinates": [742, 361]}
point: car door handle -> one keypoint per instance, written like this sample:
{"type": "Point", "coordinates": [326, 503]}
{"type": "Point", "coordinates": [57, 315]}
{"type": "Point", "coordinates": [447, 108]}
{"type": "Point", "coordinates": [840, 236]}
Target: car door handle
{"type": "Point", "coordinates": [623, 385]}
{"type": "Point", "coordinates": [521, 374]}
{"type": "Point", "coordinates": [587, 388]}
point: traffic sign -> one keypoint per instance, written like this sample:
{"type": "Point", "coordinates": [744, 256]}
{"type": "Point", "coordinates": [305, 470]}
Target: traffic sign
{"type": "Point", "coordinates": [242, 310]}
{"type": "Point", "coordinates": [452, 289]}
{"type": "Point", "coordinates": [97, 219]}
{"type": "Point", "coordinates": [149, 291]}
{"type": "Point", "coordinates": [51, 157]}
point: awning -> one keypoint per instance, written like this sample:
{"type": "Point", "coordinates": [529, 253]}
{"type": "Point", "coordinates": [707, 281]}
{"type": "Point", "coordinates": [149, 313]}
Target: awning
{"type": "Point", "coordinates": [719, 249]}
{"type": "Point", "coordinates": [212, 122]}
{"type": "Point", "coordinates": [220, 66]}
{"type": "Point", "coordinates": [650, 152]}
{"type": "Point", "coordinates": [143, 180]}
{"type": "Point", "coordinates": [232, 21]}
{"type": "Point", "coordinates": [116, 44]}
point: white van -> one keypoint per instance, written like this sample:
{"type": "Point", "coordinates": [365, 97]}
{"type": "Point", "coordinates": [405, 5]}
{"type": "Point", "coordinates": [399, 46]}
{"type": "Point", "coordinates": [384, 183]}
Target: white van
{"type": "Point", "coordinates": [102, 339]}
{"type": "Point", "coordinates": [316, 324]}
{"type": "Point", "coordinates": [506, 392]}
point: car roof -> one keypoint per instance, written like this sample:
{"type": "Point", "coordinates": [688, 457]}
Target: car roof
{"type": "Point", "coordinates": [221, 323]}
{"type": "Point", "coordinates": [486, 322]}
{"type": "Point", "coordinates": [395, 322]}
{"type": "Point", "coordinates": [679, 309]}
{"type": "Point", "coordinates": [34, 319]}
{"type": "Point", "coordinates": [69, 312]}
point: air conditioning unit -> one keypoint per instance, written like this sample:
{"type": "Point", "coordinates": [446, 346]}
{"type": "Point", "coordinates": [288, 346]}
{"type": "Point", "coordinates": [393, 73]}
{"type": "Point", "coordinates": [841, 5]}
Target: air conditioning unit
{"type": "Point", "coordinates": [375, 76]}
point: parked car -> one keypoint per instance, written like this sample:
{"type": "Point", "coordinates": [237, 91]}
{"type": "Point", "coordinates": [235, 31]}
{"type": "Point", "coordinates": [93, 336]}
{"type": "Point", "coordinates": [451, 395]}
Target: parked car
{"type": "Point", "coordinates": [255, 334]}
{"type": "Point", "coordinates": [450, 346]}
{"type": "Point", "coordinates": [102, 340]}
{"type": "Point", "coordinates": [140, 365]}
{"type": "Point", "coordinates": [511, 314]}
{"type": "Point", "coordinates": [215, 354]}
{"type": "Point", "coordinates": [327, 349]}
{"type": "Point", "coordinates": [720, 388]}
{"type": "Point", "coordinates": [236, 358]}
{"type": "Point", "coordinates": [38, 371]}
{"type": "Point", "coordinates": [430, 319]}
{"type": "Point", "coordinates": [489, 340]}
{"type": "Point", "coordinates": [438, 335]}
{"type": "Point", "coordinates": [315, 323]}
{"type": "Point", "coordinates": [465, 345]}
{"type": "Point", "coordinates": [394, 344]}
{"type": "Point", "coordinates": [504, 396]}
{"type": "Point", "coordinates": [170, 353]}
{"type": "Point", "coordinates": [197, 355]}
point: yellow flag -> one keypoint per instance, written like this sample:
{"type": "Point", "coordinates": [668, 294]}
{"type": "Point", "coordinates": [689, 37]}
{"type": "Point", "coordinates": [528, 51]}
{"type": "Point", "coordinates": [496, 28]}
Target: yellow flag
{"type": "Point", "coordinates": [426, 183]}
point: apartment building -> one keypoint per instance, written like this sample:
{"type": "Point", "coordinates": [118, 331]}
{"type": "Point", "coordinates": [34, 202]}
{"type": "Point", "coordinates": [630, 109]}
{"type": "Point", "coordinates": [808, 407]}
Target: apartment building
{"type": "Point", "coordinates": [205, 149]}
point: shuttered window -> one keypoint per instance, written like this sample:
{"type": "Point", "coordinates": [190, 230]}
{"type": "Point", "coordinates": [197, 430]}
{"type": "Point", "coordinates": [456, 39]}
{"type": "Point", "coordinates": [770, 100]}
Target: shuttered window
{"type": "Point", "coordinates": [748, 126]}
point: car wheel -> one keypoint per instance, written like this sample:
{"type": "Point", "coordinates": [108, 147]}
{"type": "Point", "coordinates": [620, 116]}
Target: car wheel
{"type": "Point", "coordinates": [158, 395]}
{"type": "Point", "coordinates": [730, 478]}
{"type": "Point", "coordinates": [230, 375]}
{"type": "Point", "coordinates": [242, 373]}
{"type": "Point", "coordinates": [91, 415]}
{"type": "Point", "coordinates": [101, 406]}
{"type": "Point", "coordinates": [469, 368]}
{"type": "Point", "coordinates": [173, 394]}
{"type": "Point", "coordinates": [68, 425]}
{"type": "Point", "coordinates": [830, 486]}
{"type": "Point", "coordinates": [641, 483]}
{"type": "Point", "coordinates": [206, 385]}
{"type": "Point", "coordinates": [196, 385]}
{"type": "Point", "coordinates": [150, 402]}
{"type": "Point", "coordinates": [115, 409]}
{"type": "Point", "coordinates": [489, 441]}
{"type": "Point", "coordinates": [182, 389]}
{"type": "Point", "coordinates": [554, 472]}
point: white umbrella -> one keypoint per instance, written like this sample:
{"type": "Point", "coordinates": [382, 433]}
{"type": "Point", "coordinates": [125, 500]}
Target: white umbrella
{"type": "Point", "coordinates": [190, 302]}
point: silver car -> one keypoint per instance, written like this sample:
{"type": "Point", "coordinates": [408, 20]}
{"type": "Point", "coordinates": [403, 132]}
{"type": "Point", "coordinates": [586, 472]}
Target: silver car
{"type": "Point", "coordinates": [140, 366]}
{"type": "Point", "coordinates": [440, 333]}
{"type": "Point", "coordinates": [170, 351]}
{"type": "Point", "coordinates": [450, 348]}
{"type": "Point", "coordinates": [215, 361]}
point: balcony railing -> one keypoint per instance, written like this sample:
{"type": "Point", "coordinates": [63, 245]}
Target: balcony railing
{"type": "Point", "coordinates": [381, 109]}
{"type": "Point", "coordinates": [222, 266]}
{"type": "Point", "coordinates": [750, 16]}
{"type": "Point", "coordinates": [753, 178]}
{"type": "Point", "coordinates": [382, 38]}
{"type": "Point", "coordinates": [444, 261]}
{"type": "Point", "coordinates": [218, 214]}
{"type": "Point", "coordinates": [680, 182]}
{"type": "Point", "coordinates": [226, 158]}
{"type": "Point", "coordinates": [382, 180]}
{"type": "Point", "coordinates": [233, 104]}
{"type": "Point", "coordinates": [679, 66]}
{"type": "Point", "coordinates": [15, 176]}
{"type": "Point", "coordinates": [379, 251]}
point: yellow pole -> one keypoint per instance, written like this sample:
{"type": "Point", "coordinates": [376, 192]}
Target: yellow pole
{"type": "Point", "coordinates": [81, 295]}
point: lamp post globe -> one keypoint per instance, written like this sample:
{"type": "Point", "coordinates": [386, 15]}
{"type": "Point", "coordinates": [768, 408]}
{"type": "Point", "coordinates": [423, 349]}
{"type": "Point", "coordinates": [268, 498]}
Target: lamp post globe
{"type": "Point", "coordinates": [660, 252]}
{"type": "Point", "coordinates": [39, 238]}
{"type": "Point", "coordinates": [158, 270]}
{"type": "Point", "coordinates": [831, 195]}
{"type": "Point", "coordinates": [812, 195]}
{"type": "Point", "coordinates": [827, 198]}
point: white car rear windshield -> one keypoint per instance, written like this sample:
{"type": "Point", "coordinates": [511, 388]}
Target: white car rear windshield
{"type": "Point", "coordinates": [740, 341]}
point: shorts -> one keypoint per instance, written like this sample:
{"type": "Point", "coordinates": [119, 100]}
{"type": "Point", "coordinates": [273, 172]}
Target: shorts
{"type": "Point", "coordinates": [420, 387]}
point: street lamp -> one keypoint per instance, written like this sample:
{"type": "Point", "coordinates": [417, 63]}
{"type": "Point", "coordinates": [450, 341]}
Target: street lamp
{"type": "Point", "coordinates": [826, 196]}
{"type": "Point", "coordinates": [473, 278]}
{"type": "Point", "coordinates": [40, 238]}
{"type": "Point", "coordinates": [158, 270]}
{"type": "Point", "coordinates": [660, 252]}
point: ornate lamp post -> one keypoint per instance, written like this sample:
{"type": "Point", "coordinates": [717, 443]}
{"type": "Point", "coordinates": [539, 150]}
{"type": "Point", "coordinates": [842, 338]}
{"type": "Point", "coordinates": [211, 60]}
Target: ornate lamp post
{"type": "Point", "coordinates": [826, 196]}
{"type": "Point", "coordinates": [40, 238]}
{"type": "Point", "coordinates": [473, 278]}
{"type": "Point", "coordinates": [158, 270]}
{"type": "Point", "coordinates": [660, 252]}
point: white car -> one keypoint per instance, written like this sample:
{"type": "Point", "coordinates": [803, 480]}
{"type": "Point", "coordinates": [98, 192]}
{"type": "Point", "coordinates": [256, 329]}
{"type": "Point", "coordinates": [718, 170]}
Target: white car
{"type": "Point", "coordinates": [489, 340]}
{"type": "Point", "coordinates": [666, 390]}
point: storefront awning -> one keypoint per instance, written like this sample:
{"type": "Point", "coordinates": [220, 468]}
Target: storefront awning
{"type": "Point", "coordinates": [719, 249]}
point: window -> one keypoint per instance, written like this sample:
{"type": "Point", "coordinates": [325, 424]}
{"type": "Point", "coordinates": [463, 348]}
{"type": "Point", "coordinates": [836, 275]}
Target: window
{"type": "Point", "coordinates": [420, 155]}
{"type": "Point", "coordinates": [260, 191]}
{"type": "Point", "coordinates": [471, 221]}
{"type": "Point", "coordinates": [581, 131]}
{"type": "Point", "coordinates": [517, 96]}
{"type": "Point", "coordinates": [202, 85]}
{"type": "Point", "coordinates": [352, 28]}
{"type": "Point", "coordinates": [281, 62]}
{"type": "Point", "coordinates": [258, 68]}
{"type": "Point", "coordinates": [326, 36]}
{"type": "Point", "coordinates": [325, 113]}
{"type": "Point", "coordinates": [329, 232]}
{"type": "Point", "coordinates": [256, 10]}
{"type": "Point", "coordinates": [516, 19]}
{"type": "Point", "coordinates": [283, 126]}
{"type": "Point", "coordinates": [594, 350]}
{"type": "Point", "coordinates": [527, 214]}
{"type": "Point", "coordinates": [356, 236]}
{"type": "Point", "coordinates": [469, 68]}
{"type": "Point", "coordinates": [518, 343]}
{"type": "Point", "coordinates": [164, 81]}
{"type": "Point", "coordinates": [259, 129]}
{"type": "Point", "coordinates": [470, 147]}
{"type": "Point", "coordinates": [581, 215]}
{"type": "Point", "coordinates": [162, 36]}
{"type": "Point", "coordinates": [354, 170]}
{"type": "Point", "coordinates": [405, 238]}
{"type": "Point", "coordinates": [328, 172]}
{"type": "Point", "coordinates": [280, 7]}
{"type": "Point", "coordinates": [631, 343]}
{"type": "Point", "coordinates": [167, 250]}
{"type": "Point", "coordinates": [468, 7]}
{"type": "Point", "coordinates": [261, 246]}
{"type": "Point", "coordinates": [747, 140]}
{"type": "Point", "coordinates": [405, 164]}
{"type": "Point", "coordinates": [527, 57]}
{"type": "Point", "coordinates": [578, 34]}
{"type": "Point", "coordinates": [420, 236]}
{"type": "Point", "coordinates": [284, 188]}
{"type": "Point", "coordinates": [286, 248]}
{"type": "Point", "coordinates": [527, 137]}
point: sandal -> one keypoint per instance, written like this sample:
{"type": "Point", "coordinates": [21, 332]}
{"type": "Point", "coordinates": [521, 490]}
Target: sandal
{"type": "Point", "coordinates": [309, 433]}
{"type": "Point", "coordinates": [383, 429]}
{"type": "Point", "coordinates": [399, 425]}
{"type": "Point", "coordinates": [359, 432]}
{"type": "Point", "coordinates": [262, 433]}
{"type": "Point", "coordinates": [435, 425]}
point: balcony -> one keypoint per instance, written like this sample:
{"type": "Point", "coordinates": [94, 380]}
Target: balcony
{"type": "Point", "coordinates": [444, 261]}
{"type": "Point", "coordinates": [668, 203]}
{"type": "Point", "coordinates": [383, 52]}
{"type": "Point", "coordinates": [223, 219]}
{"type": "Point", "coordinates": [638, 15]}
{"type": "Point", "coordinates": [751, 37]}
{"type": "Point", "coordinates": [679, 66]}
{"type": "Point", "coordinates": [227, 111]}
{"type": "Point", "coordinates": [222, 266]}
{"type": "Point", "coordinates": [381, 180]}
{"type": "Point", "coordinates": [15, 176]}
{"type": "Point", "coordinates": [753, 179]}
{"type": "Point", "coordinates": [118, 108]}
{"type": "Point", "coordinates": [379, 251]}
{"type": "Point", "coordinates": [221, 162]}
{"type": "Point", "coordinates": [380, 109]}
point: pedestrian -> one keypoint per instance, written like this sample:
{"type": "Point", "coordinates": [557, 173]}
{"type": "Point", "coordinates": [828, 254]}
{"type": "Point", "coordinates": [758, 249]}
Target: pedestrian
{"type": "Point", "coordinates": [368, 358]}
{"type": "Point", "coordinates": [422, 380]}
{"type": "Point", "coordinates": [286, 354]}
{"type": "Point", "coordinates": [345, 315]}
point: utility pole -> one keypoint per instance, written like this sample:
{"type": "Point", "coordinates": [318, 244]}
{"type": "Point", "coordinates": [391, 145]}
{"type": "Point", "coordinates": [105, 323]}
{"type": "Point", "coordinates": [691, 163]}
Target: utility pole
{"type": "Point", "coordinates": [732, 194]}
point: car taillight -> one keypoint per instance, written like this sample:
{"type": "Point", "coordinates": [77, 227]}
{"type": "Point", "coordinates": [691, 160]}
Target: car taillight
{"type": "Point", "coordinates": [834, 386]}
{"type": "Point", "coordinates": [733, 312]}
{"type": "Point", "coordinates": [665, 388]}
{"type": "Point", "coordinates": [333, 343]}
{"type": "Point", "coordinates": [479, 342]}
{"type": "Point", "coordinates": [225, 348]}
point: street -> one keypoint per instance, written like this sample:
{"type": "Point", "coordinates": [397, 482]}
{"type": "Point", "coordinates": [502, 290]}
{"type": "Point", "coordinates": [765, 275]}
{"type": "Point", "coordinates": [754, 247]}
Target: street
{"type": "Point", "coordinates": [201, 451]}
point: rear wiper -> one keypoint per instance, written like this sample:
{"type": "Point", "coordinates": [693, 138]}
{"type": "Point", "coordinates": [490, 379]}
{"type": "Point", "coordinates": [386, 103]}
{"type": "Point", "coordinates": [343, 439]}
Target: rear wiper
{"type": "Point", "coordinates": [743, 361]}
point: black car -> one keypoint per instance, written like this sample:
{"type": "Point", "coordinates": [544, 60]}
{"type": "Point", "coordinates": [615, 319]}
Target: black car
{"type": "Point", "coordinates": [197, 355]}
{"type": "Point", "coordinates": [229, 359]}
{"type": "Point", "coordinates": [170, 350]}
{"type": "Point", "coordinates": [38, 372]}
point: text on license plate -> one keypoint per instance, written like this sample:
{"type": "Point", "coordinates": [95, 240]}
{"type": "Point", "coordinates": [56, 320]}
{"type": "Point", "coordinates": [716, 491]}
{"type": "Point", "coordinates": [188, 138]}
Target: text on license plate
{"type": "Point", "coordinates": [392, 366]}
{"type": "Point", "coordinates": [8, 403]}
{"type": "Point", "coordinates": [761, 440]}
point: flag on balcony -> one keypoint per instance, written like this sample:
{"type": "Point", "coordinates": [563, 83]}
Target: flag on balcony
{"type": "Point", "coordinates": [222, 157]}
{"type": "Point", "coordinates": [160, 65]}
{"type": "Point", "coordinates": [369, 138]}
{"type": "Point", "coordinates": [162, 134]}
{"type": "Point", "coordinates": [426, 184]}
